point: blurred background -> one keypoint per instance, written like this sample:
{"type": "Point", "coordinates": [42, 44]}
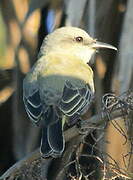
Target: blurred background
{"type": "Point", "coordinates": [23, 26]}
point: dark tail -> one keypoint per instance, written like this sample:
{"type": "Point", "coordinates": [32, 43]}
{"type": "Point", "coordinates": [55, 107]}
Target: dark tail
{"type": "Point", "coordinates": [52, 143]}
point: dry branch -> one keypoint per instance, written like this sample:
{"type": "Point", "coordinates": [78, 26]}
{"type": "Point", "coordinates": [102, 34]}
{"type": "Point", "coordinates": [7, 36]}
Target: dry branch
{"type": "Point", "coordinates": [35, 167]}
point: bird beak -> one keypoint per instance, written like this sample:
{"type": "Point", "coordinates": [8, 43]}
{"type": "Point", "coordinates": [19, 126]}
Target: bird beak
{"type": "Point", "coordinates": [99, 45]}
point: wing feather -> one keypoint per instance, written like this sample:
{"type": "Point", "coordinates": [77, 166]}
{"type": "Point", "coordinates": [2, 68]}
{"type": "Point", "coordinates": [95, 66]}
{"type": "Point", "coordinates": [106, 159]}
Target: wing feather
{"type": "Point", "coordinates": [33, 106]}
{"type": "Point", "coordinates": [75, 100]}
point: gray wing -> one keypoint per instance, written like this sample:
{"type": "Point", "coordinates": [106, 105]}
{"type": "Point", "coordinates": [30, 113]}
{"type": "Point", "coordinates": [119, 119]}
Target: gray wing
{"type": "Point", "coordinates": [31, 95]}
{"type": "Point", "coordinates": [75, 101]}
{"type": "Point", "coordinates": [33, 106]}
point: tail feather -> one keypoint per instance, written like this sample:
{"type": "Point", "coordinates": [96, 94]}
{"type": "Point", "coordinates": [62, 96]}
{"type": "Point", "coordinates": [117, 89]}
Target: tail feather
{"type": "Point", "coordinates": [55, 137]}
{"type": "Point", "coordinates": [52, 142]}
{"type": "Point", "coordinates": [45, 148]}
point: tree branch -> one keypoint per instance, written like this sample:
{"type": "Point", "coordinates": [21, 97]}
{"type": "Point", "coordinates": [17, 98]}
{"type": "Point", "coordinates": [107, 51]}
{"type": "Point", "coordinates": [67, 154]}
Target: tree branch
{"type": "Point", "coordinates": [34, 165]}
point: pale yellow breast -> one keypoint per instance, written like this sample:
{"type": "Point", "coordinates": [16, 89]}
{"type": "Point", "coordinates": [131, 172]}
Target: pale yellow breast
{"type": "Point", "coordinates": [67, 65]}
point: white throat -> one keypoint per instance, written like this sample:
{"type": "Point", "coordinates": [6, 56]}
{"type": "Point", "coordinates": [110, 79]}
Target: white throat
{"type": "Point", "coordinates": [85, 55]}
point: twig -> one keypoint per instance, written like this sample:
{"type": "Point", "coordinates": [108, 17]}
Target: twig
{"type": "Point", "coordinates": [34, 163]}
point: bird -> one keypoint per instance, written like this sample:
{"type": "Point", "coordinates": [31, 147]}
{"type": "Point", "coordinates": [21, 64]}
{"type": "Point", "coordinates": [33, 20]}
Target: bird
{"type": "Point", "coordinates": [59, 87]}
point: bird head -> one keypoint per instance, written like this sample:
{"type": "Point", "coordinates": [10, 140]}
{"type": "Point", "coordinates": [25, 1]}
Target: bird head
{"type": "Point", "coordinates": [73, 41]}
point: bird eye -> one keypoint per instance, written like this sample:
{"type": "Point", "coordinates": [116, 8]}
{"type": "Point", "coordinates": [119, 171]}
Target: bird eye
{"type": "Point", "coordinates": [79, 39]}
